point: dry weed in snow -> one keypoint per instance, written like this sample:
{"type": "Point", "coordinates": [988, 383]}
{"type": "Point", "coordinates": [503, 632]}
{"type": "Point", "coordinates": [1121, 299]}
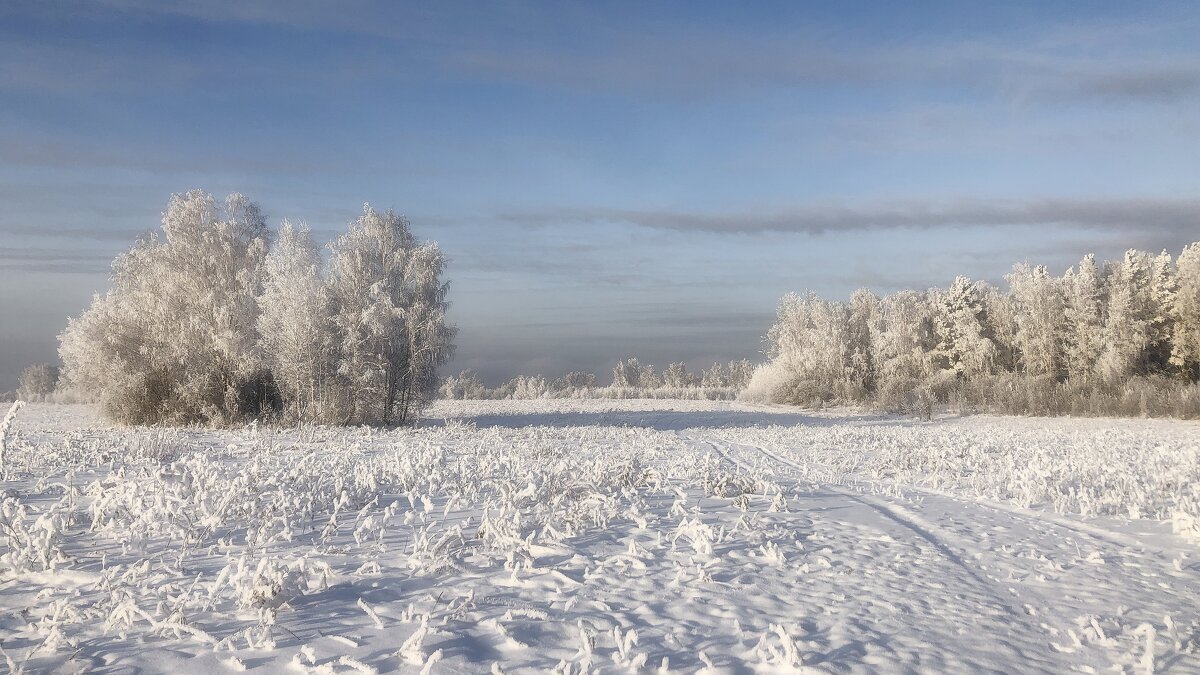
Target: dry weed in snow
{"type": "Point", "coordinates": [601, 536]}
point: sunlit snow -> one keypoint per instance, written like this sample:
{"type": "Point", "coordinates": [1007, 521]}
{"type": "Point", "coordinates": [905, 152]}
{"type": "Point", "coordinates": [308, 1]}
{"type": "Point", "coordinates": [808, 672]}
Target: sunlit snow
{"type": "Point", "coordinates": [605, 535]}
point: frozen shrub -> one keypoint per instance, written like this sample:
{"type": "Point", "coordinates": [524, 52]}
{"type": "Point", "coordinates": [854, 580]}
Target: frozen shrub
{"type": "Point", "coordinates": [575, 381]}
{"type": "Point", "coordinates": [464, 386]}
{"type": "Point", "coordinates": [38, 382]}
{"type": "Point", "coordinates": [768, 384]}
{"type": "Point", "coordinates": [632, 380]}
{"type": "Point", "coordinates": [528, 387]}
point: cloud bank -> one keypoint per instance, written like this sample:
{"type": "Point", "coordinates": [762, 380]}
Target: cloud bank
{"type": "Point", "coordinates": [1163, 215]}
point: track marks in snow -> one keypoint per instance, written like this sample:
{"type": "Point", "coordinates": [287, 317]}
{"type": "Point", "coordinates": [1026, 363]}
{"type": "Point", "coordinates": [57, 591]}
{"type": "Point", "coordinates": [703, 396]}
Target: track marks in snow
{"type": "Point", "coordinates": [898, 575]}
{"type": "Point", "coordinates": [1046, 584]}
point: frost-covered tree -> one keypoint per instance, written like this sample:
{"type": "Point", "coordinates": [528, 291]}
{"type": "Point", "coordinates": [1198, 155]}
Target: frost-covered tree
{"type": "Point", "coordinates": [38, 381]}
{"type": "Point", "coordinates": [202, 324]}
{"type": "Point", "coordinates": [714, 376]}
{"type": "Point", "coordinates": [1163, 289]}
{"type": "Point", "coordinates": [389, 314]}
{"type": "Point", "coordinates": [1038, 303]}
{"type": "Point", "coordinates": [576, 380]}
{"type": "Point", "coordinates": [649, 377]}
{"type": "Point", "coordinates": [174, 340]}
{"type": "Point", "coordinates": [734, 375]}
{"type": "Point", "coordinates": [1185, 334]}
{"type": "Point", "coordinates": [1000, 324]}
{"type": "Point", "coordinates": [1112, 334]}
{"type": "Point", "coordinates": [295, 325]}
{"type": "Point", "coordinates": [738, 373]}
{"type": "Point", "coordinates": [467, 385]}
{"type": "Point", "coordinates": [964, 345]}
{"type": "Point", "coordinates": [903, 345]}
{"type": "Point", "coordinates": [807, 348]}
{"type": "Point", "coordinates": [1083, 317]}
{"type": "Point", "coordinates": [628, 373]}
{"type": "Point", "coordinates": [1127, 324]}
{"type": "Point", "coordinates": [677, 375]}
{"type": "Point", "coordinates": [862, 318]}
{"type": "Point", "coordinates": [527, 387]}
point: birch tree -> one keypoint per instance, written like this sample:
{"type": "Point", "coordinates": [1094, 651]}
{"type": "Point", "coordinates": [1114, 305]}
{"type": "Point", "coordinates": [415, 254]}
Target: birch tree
{"type": "Point", "coordinates": [175, 338]}
{"type": "Point", "coordinates": [1163, 290]}
{"type": "Point", "coordinates": [904, 344]}
{"type": "Point", "coordinates": [963, 343]}
{"type": "Point", "coordinates": [1127, 324]}
{"type": "Point", "coordinates": [862, 318]}
{"type": "Point", "coordinates": [807, 344]}
{"type": "Point", "coordinates": [677, 375]}
{"type": "Point", "coordinates": [295, 321]}
{"type": "Point", "coordinates": [628, 373]}
{"type": "Point", "coordinates": [1185, 334]}
{"type": "Point", "coordinates": [1083, 315]}
{"type": "Point", "coordinates": [390, 305]}
{"type": "Point", "coordinates": [1038, 301]}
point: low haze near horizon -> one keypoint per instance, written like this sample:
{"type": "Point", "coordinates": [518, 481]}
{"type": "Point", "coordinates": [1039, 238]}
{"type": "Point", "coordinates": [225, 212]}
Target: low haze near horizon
{"type": "Point", "coordinates": [609, 179]}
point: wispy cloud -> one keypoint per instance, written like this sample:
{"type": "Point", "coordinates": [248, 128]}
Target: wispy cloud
{"type": "Point", "coordinates": [1167, 84]}
{"type": "Point", "coordinates": [60, 261]}
{"type": "Point", "coordinates": [33, 150]}
{"type": "Point", "coordinates": [91, 233]}
{"type": "Point", "coordinates": [1165, 215]}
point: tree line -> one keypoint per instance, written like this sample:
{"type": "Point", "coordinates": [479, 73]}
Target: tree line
{"type": "Point", "coordinates": [1118, 337]}
{"type": "Point", "coordinates": [216, 320]}
{"type": "Point", "coordinates": [630, 379]}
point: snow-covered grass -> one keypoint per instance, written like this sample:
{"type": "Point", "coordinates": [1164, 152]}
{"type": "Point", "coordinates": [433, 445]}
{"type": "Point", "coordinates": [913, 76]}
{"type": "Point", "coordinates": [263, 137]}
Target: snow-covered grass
{"type": "Point", "coordinates": [599, 535]}
{"type": "Point", "coordinates": [1133, 468]}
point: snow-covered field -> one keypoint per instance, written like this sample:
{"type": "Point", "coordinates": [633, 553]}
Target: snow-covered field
{"type": "Point", "coordinates": [602, 535]}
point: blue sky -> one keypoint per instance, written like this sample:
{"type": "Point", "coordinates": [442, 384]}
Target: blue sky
{"type": "Point", "coordinates": [608, 179]}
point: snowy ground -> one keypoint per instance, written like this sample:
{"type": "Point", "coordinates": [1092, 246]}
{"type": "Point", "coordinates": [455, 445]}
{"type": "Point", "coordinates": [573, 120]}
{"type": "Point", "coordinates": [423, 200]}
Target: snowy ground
{"type": "Point", "coordinates": [610, 535]}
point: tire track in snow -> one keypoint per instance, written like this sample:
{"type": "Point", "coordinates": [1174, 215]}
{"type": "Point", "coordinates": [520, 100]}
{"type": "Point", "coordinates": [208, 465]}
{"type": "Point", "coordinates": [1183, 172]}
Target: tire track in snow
{"type": "Point", "coordinates": [1046, 520]}
{"type": "Point", "coordinates": [1058, 595]}
{"type": "Point", "coordinates": [919, 526]}
{"type": "Point", "coordinates": [1042, 611]}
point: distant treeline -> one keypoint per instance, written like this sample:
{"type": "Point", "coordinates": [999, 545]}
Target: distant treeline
{"type": "Point", "coordinates": [630, 379]}
{"type": "Point", "coordinates": [1119, 337]}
